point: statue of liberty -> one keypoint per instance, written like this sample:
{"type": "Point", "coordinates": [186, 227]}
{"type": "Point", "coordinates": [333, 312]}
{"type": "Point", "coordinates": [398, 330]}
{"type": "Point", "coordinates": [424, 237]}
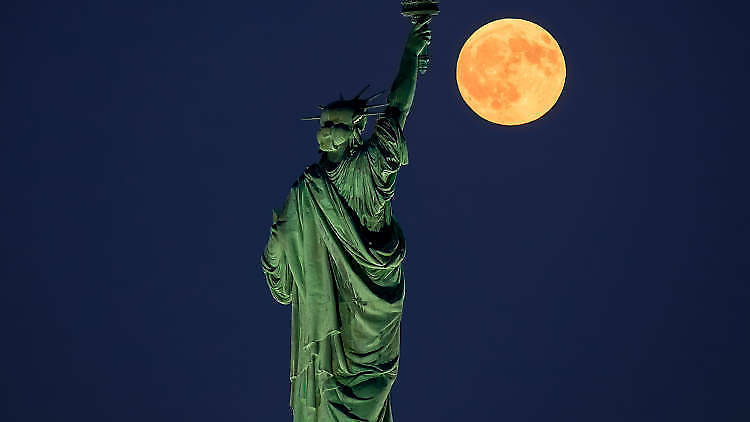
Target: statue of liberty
{"type": "Point", "coordinates": [335, 254]}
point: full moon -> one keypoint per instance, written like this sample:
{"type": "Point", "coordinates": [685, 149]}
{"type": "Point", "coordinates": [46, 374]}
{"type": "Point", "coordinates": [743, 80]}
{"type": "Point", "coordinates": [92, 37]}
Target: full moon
{"type": "Point", "coordinates": [510, 71]}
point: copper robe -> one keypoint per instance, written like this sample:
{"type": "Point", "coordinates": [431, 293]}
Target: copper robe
{"type": "Point", "coordinates": [335, 254]}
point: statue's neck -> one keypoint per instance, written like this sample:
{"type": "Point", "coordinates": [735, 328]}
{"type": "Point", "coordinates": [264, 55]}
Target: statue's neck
{"type": "Point", "coordinates": [335, 157]}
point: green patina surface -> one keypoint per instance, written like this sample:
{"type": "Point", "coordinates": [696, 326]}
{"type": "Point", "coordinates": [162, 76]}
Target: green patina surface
{"type": "Point", "coordinates": [335, 254]}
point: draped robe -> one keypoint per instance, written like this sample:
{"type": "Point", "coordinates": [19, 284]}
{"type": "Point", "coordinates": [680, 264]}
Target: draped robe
{"type": "Point", "coordinates": [335, 255]}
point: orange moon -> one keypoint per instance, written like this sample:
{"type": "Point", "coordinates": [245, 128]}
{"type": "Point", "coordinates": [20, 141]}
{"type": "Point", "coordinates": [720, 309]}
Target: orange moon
{"type": "Point", "coordinates": [510, 71]}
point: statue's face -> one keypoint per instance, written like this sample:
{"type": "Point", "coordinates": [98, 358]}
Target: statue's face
{"type": "Point", "coordinates": [336, 129]}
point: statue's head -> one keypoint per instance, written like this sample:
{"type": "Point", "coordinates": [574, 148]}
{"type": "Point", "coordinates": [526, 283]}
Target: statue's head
{"type": "Point", "coordinates": [342, 123]}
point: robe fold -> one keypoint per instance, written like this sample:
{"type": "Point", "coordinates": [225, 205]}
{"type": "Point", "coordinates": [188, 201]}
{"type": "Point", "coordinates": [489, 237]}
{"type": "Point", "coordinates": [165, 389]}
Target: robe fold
{"type": "Point", "coordinates": [335, 255]}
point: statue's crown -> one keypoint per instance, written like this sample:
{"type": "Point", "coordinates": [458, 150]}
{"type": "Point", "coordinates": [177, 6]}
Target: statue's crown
{"type": "Point", "coordinates": [359, 105]}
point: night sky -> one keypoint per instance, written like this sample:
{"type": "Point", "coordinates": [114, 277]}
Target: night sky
{"type": "Point", "coordinates": [592, 265]}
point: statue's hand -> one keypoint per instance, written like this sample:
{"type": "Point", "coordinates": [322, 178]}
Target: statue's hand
{"type": "Point", "coordinates": [419, 38]}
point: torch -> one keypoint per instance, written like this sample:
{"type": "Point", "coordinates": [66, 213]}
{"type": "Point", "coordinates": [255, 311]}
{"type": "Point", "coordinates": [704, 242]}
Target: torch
{"type": "Point", "coordinates": [419, 11]}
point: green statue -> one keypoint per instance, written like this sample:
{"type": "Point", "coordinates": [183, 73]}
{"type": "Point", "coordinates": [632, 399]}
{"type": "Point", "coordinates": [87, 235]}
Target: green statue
{"type": "Point", "coordinates": [335, 254]}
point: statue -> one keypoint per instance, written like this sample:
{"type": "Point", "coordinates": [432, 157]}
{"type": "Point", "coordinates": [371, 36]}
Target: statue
{"type": "Point", "coordinates": [335, 254]}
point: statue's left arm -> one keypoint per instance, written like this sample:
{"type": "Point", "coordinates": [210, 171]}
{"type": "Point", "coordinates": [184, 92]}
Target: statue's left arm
{"type": "Point", "coordinates": [275, 265]}
{"type": "Point", "coordinates": [402, 91]}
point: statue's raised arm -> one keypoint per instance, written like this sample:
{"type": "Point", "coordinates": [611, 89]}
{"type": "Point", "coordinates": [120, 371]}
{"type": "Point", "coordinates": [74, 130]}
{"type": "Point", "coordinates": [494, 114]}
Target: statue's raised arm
{"type": "Point", "coordinates": [402, 91]}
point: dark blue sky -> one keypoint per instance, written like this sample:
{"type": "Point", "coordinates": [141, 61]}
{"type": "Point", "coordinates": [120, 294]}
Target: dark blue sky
{"type": "Point", "coordinates": [589, 266]}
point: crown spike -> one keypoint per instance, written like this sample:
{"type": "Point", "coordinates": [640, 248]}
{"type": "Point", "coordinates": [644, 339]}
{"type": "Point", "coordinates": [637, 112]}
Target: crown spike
{"type": "Point", "coordinates": [376, 95]}
{"type": "Point", "coordinates": [356, 97]}
{"type": "Point", "coordinates": [375, 105]}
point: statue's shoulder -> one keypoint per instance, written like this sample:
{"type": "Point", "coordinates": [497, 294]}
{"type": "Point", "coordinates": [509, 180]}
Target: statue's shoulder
{"type": "Point", "coordinates": [387, 128]}
{"type": "Point", "coordinates": [313, 172]}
